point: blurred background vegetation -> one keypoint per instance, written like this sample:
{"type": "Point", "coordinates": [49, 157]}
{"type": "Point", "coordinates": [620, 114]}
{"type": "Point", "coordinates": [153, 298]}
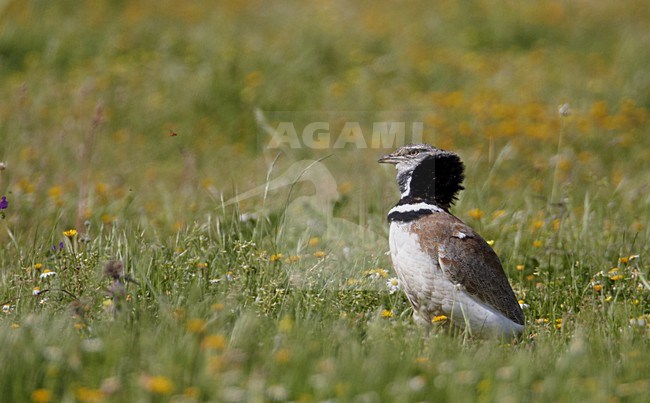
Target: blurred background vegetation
{"type": "Point", "coordinates": [133, 121]}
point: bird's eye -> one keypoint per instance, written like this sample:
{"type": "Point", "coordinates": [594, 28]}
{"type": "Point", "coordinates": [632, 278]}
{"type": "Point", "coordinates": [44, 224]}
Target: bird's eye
{"type": "Point", "coordinates": [413, 152]}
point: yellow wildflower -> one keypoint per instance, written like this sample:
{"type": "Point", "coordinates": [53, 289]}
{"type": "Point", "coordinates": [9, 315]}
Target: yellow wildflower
{"type": "Point", "coordinates": [386, 313]}
{"type": "Point", "coordinates": [70, 233]}
{"type": "Point", "coordinates": [195, 325]}
{"type": "Point", "coordinates": [314, 241]}
{"type": "Point", "coordinates": [41, 396]}
{"type": "Point", "coordinates": [285, 325]}
{"type": "Point", "coordinates": [38, 266]}
{"type": "Point", "coordinates": [214, 342]}
{"type": "Point", "coordinates": [598, 287]}
{"type": "Point", "coordinates": [439, 319]}
{"type": "Point", "coordinates": [537, 243]}
{"type": "Point", "coordinates": [319, 254]}
{"type": "Point", "coordinates": [275, 257]}
{"type": "Point", "coordinates": [158, 385]}
{"type": "Point", "coordinates": [88, 395]}
{"type": "Point", "coordinates": [283, 355]}
{"type": "Point", "coordinates": [476, 214]}
{"type": "Point", "coordinates": [520, 267]}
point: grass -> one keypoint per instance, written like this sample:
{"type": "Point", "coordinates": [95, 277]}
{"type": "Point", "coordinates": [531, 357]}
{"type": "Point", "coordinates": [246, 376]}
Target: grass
{"type": "Point", "coordinates": [134, 124]}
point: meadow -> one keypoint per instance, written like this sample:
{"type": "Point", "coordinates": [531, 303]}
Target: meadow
{"type": "Point", "coordinates": [155, 248]}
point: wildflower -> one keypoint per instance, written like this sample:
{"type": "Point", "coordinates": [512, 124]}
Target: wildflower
{"type": "Point", "coordinates": [36, 291]}
{"type": "Point", "coordinates": [41, 396]}
{"type": "Point", "coordinates": [558, 323]}
{"type": "Point", "coordinates": [314, 241]}
{"type": "Point", "coordinates": [3, 205]}
{"type": "Point", "coordinates": [47, 273]}
{"type": "Point", "coordinates": [283, 355]}
{"type": "Point", "coordinates": [556, 224]}
{"type": "Point", "coordinates": [319, 254]}
{"type": "Point", "coordinates": [523, 305]}
{"type": "Point", "coordinates": [393, 285]}
{"type": "Point", "coordinates": [214, 342]}
{"type": "Point", "coordinates": [520, 267]}
{"type": "Point", "coordinates": [376, 273]}
{"type": "Point", "coordinates": [217, 307]}
{"type": "Point", "coordinates": [38, 266]}
{"type": "Point", "coordinates": [275, 257]}
{"type": "Point", "coordinates": [70, 233]}
{"type": "Point", "coordinates": [386, 313]}
{"type": "Point", "coordinates": [598, 287]}
{"type": "Point", "coordinates": [285, 325]}
{"type": "Point", "coordinates": [439, 319]}
{"type": "Point", "coordinates": [293, 258]}
{"type": "Point", "coordinates": [6, 308]}
{"type": "Point", "coordinates": [616, 277]}
{"type": "Point", "coordinates": [476, 213]}
{"type": "Point", "coordinates": [537, 243]}
{"type": "Point", "coordinates": [89, 395]}
{"type": "Point", "coordinates": [623, 259]}
{"type": "Point", "coordinates": [195, 325]}
{"type": "Point", "coordinates": [158, 385]}
{"type": "Point", "coordinates": [564, 110]}
{"type": "Point", "coordinates": [490, 242]}
{"type": "Point", "coordinates": [248, 217]}
{"type": "Point", "coordinates": [201, 265]}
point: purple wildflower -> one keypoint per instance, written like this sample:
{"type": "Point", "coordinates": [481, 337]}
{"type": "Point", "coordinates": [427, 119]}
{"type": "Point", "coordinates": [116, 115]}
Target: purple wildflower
{"type": "Point", "coordinates": [4, 203]}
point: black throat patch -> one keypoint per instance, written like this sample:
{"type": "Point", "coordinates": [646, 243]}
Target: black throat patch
{"type": "Point", "coordinates": [437, 180]}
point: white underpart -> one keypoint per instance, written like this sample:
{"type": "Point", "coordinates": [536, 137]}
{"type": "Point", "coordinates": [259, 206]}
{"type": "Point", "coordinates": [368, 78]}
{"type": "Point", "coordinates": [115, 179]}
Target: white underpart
{"type": "Point", "coordinates": [423, 280]}
{"type": "Point", "coordinates": [407, 208]}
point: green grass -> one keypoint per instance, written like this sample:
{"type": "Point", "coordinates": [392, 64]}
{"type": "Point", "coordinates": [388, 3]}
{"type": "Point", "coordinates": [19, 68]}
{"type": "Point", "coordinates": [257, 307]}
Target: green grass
{"type": "Point", "coordinates": [293, 305]}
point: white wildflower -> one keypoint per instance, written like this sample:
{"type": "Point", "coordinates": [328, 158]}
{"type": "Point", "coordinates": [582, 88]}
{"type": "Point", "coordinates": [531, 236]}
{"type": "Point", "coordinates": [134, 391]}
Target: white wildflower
{"type": "Point", "coordinates": [564, 110]}
{"type": "Point", "coordinates": [393, 285]}
{"type": "Point", "coordinates": [47, 273]}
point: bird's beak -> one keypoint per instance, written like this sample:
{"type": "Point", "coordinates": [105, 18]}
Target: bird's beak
{"type": "Point", "coordinates": [389, 159]}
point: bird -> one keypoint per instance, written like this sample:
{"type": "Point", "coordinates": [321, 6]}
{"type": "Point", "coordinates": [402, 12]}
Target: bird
{"type": "Point", "coordinates": [445, 267]}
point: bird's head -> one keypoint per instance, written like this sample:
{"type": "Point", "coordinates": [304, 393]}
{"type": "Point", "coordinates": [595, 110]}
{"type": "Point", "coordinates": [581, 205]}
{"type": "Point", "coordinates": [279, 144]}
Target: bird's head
{"type": "Point", "coordinates": [427, 173]}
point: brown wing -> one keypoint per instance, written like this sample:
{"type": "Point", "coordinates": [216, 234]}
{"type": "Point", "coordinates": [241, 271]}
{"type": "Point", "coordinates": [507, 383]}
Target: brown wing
{"type": "Point", "coordinates": [469, 261]}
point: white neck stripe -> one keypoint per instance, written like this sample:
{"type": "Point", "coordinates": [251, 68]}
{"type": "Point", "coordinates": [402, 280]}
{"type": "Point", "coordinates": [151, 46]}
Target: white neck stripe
{"type": "Point", "coordinates": [409, 208]}
{"type": "Point", "coordinates": [407, 189]}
